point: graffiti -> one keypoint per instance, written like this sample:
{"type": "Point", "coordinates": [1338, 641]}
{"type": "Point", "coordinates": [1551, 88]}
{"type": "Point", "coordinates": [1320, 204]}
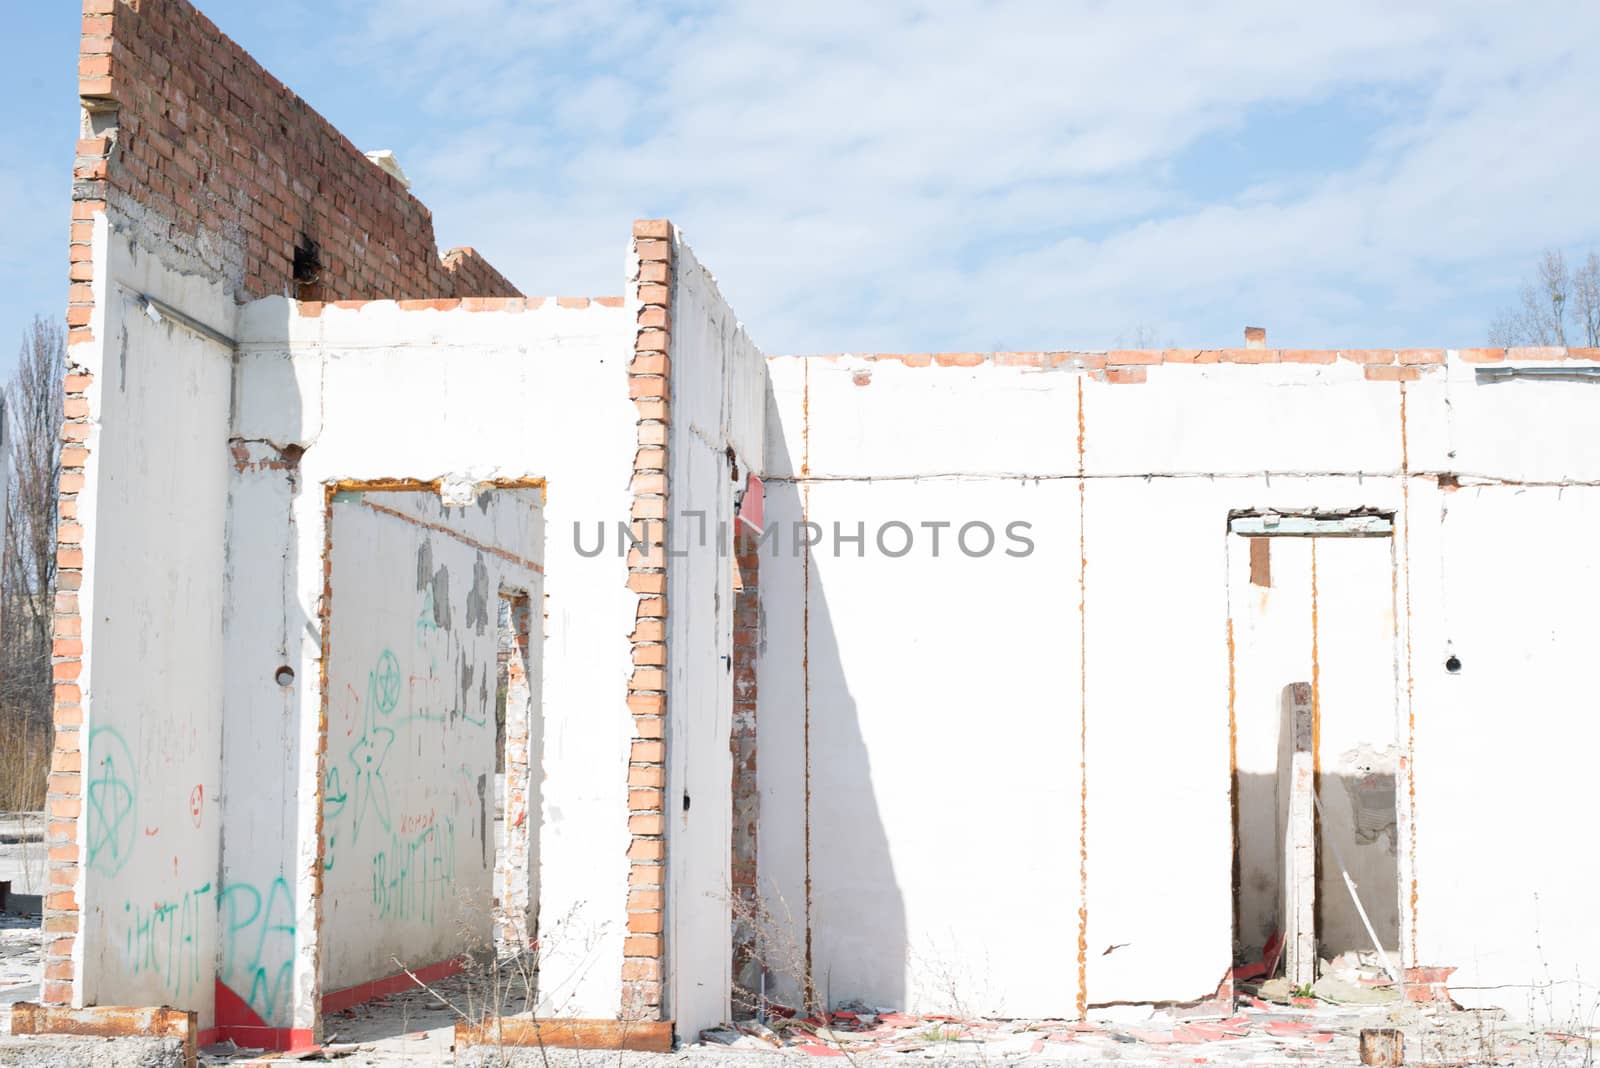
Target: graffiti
{"type": "Point", "coordinates": [197, 800]}
{"type": "Point", "coordinates": [372, 748]}
{"type": "Point", "coordinates": [412, 876]}
{"type": "Point", "coordinates": [113, 800]}
{"type": "Point", "coordinates": [383, 684]}
{"type": "Point", "coordinates": [165, 940]}
{"type": "Point", "coordinates": [416, 824]}
{"type": "Point", "coordinates": [258, 944]}
{"type": "Point", "coordinates": [430, 703]}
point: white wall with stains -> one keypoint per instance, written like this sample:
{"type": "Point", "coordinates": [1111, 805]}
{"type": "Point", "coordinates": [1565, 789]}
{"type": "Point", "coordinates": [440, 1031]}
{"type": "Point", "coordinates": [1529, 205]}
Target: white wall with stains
{"type": "Point", "coordinates": [153, 511]}
{"type": "Point", "coordinates": [1002, 784]}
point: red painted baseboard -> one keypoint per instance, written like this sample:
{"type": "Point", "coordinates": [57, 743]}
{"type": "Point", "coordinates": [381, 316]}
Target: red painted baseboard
{"type": "Point", "coordinates": [335, 1000]}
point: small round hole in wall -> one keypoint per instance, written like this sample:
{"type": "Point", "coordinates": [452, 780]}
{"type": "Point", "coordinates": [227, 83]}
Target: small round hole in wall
{"type": "Point", "coordinates": [284, 676]}
{"type": "Point", "coordinates": [1452, 664]}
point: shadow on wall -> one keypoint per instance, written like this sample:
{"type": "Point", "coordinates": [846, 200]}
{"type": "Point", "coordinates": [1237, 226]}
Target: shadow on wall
{"type": "Point", "coordinates": [853, 934]}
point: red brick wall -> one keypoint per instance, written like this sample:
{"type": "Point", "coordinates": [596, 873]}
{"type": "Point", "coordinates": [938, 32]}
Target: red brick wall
{"type": "Point", "coordinates": [211, 156]}
{"type": "Point", "coordinates": [472, 276]}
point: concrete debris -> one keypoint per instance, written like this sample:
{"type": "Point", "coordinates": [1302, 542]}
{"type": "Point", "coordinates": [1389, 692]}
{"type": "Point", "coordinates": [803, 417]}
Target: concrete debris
{"type": "Point", "coordinates": [53, 1051]}
{"type": "Point", "coordinates": [1259, 1033]}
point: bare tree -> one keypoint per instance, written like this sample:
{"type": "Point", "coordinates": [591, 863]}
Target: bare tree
{"type": "Point", "coordinates": [1556, 298]}
{"type": "Point", "coordinates": [1586, 299]}
{"type": "Point", "coordinates": [34, 410]}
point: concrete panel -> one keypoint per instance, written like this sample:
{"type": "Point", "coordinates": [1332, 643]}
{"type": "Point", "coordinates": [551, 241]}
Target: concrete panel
{"type": "Point", "coordinates": [932, 831]}
{"type": "Point", "coordinates": [153, 509]}
{"type": "Point", "coordinates": [1504, 746]}
{"type": "Point", "coordinates": [717, 438]}
{"type": "Point", "coordinates": [1156, 704]}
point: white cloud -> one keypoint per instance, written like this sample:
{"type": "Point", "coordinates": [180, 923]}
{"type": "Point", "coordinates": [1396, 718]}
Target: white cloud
{"type": "Point", "coordinates": [902, 175]}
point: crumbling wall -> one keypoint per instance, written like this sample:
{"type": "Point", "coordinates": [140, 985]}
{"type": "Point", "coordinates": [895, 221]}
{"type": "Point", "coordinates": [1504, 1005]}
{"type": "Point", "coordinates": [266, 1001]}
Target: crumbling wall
{"type": "Point", "coordinates": [199, 181]}
{"type": "Point", "coordinates": [213, 163]}
{"type": "Point", "coordinates": [955, 747]}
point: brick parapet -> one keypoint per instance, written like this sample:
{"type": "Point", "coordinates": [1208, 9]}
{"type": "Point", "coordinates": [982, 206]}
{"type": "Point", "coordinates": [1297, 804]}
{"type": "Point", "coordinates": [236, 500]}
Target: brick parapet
{"type": "Point", "coordinates": [1131, 365]}
{"type": "Point", "coordinates": [195, 146]}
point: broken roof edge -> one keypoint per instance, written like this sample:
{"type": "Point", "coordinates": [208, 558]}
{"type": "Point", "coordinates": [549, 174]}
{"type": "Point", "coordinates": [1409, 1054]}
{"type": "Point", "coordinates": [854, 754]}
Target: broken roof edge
{"type": "Point", "coordinates": [474, 276]}
{"type": "Point", "coordinates": [311, 309]}
{"type": "Point", "coordinates": [1101, 358]}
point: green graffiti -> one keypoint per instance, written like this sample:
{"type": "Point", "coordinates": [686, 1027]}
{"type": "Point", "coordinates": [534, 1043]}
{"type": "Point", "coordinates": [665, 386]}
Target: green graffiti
{"type": "Point", "coordinates": [165, 939]}
{"type": "Point", "coordinates": [370, 750]}
{"type": "Point", "coordinates": [258, 944]}
{"type": "Point", "coordinates": [413, 875]}
{"type": "Point", "coordinates": [113, 801]}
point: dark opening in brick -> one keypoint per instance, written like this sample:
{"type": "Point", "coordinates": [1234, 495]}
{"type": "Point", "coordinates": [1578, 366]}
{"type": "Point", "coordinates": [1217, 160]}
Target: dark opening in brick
{"type": "Point", "coordinates": [307, 269]}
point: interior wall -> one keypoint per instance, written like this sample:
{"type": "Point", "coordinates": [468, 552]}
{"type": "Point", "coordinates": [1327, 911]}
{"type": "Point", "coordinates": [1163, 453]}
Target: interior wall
{"type": "Point", "coordinates": [408, 840]}
{"type": "Point", "coordinates": [718, 412]}
{"type": "Point", "coordinates": [380, 391]}
{"type": "Point", "coordinates": [151, 616]}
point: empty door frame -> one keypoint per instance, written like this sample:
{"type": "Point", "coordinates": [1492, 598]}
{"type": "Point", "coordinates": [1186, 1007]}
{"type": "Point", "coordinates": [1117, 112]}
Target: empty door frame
{"type": "Point", "coordinates": [331, 492]}
{"type": "Point", "coordinates": [1262, 524]}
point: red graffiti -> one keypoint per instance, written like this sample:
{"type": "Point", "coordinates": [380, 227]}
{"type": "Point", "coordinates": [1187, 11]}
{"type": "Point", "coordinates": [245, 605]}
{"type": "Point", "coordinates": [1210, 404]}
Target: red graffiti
{"type": "Point", "coordinates": [413, 824]}
{"type": "Point", "coordinates": [197, 800]}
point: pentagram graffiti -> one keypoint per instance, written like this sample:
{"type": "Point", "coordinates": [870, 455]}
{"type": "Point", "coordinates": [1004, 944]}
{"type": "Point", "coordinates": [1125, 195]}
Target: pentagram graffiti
{"type": "Point", "coordinates": [113, 797]}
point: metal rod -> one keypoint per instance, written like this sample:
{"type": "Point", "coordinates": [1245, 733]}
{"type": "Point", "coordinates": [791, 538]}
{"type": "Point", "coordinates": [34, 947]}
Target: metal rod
{"type": "Point", "coordinates": [1350, 885]}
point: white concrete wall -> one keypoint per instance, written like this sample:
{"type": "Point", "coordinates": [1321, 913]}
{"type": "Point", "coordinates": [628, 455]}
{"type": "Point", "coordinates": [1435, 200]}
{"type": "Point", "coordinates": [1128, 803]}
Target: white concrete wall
{"type": "Point", "coordinates": [408, 800]}
{"type": "Point", "coordinates": [948, 714]}
{"type": "Point", "coordinates": [153, 509]}
{"type": "Point", "coordinates": [468, 396]}
{"type": "Point", "coordinates": [718, 403]}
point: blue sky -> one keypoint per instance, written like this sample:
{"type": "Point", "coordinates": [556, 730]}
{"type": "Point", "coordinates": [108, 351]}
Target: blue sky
{"type": "Point", "coordinates": [952, 175]}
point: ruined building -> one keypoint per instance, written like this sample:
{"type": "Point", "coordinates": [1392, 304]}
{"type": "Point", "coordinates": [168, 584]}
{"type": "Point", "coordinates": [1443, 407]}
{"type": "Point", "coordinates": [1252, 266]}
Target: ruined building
{"type": "Point", "coordinates": [998, 681]}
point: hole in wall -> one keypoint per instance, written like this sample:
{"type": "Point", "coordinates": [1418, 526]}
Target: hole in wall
{"type": "Point", "coordinates": [284, 676]}
{"type": "Point", "coordinates": [307, 269]}
{"type": "Point", "coordinates": [1452, 664]}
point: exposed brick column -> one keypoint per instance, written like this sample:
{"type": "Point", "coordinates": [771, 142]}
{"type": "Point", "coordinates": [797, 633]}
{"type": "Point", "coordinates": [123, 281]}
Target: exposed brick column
{"type": "Point", "coordinates": [648, 377]}
{"type": "Point", "coordinates": [64, 803]}
{"type": "Point", "coordinates": [742, 742]}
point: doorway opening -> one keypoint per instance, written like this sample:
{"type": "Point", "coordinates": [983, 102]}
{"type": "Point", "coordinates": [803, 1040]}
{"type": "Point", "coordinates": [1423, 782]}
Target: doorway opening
{"type": "Point", "coordinates": [519, 734]}
{"type": "Point", "coordinates": [431, 597]}
{"type": "Point", "coordinates": [1314, 731]}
